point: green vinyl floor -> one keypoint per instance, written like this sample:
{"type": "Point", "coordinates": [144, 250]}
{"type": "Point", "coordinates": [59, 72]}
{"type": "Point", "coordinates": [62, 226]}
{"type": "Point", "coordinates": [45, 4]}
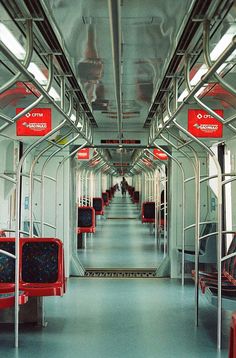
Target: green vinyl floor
{"type": "Point", "coordinates": [121, 318]}
{"type": "Point", "coordinates": [121, 240]}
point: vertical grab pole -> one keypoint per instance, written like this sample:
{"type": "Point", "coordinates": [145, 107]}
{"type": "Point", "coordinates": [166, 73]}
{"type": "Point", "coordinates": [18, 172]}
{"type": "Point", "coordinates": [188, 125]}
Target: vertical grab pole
{"type": "Point", "coordinates": [219, 189]}
{"type": "Point", "coordinates": [184, 195]}
{"type": "Point", "coordinates": [156, 198]}
{"type": "Point", "coordinates": [43, 179]}
{"type": "Point", "coordinates": [197, 200]}
{"type": "Point", "coordinates": [86, 186]}
{"type": "Point", "coordinates": [219, 247]}
{"type": "Point", "coordinates": [197, 234]}
{"type": "Point", "coordinates": [219, 252]}
{"type": "Point", "coordinates": [31, 185]}
{"type": "Point", "coordinates": [18, 224]}
{"type": "Point", "coordinates": [91, 188]}
{"type": "Point", "coordinates": [165, 216]}
{"type": "Point", "coordinates": [74, 245]}
{"type": "Point", "coordinates": [31, 189]}
{"type": "Point", "coordinates": [183, 199]}
{"type": "Point", "coordinates": [196, 169]}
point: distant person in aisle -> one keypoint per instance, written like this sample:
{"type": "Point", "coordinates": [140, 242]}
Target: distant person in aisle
{"type": "Point", "coordinates": [124, 186]}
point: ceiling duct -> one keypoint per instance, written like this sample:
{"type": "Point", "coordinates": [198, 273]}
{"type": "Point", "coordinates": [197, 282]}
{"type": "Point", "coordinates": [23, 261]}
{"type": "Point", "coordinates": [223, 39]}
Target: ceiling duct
{"type": "Point", "coordinates": [115, 29]}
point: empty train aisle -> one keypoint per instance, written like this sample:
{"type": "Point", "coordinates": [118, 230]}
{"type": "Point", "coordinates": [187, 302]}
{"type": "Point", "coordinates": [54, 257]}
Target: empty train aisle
{"type": "Point", "coordinates": [121, 240]}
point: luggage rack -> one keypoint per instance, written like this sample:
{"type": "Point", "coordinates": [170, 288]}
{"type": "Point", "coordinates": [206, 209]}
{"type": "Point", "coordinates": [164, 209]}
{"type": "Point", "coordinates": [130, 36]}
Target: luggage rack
{"type": "Point", "coordinates": [121, 273]}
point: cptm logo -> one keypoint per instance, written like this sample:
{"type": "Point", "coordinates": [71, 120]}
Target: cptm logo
{"type": "Point", "coordinates": [35, 115]}
{"type": "Point", "coordinates": [200, 116]}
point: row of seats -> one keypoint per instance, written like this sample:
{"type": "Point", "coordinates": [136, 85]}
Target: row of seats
{"type": "Point", "coordinates": [87, 214]}
{"type": "Point", "coordinates": [41, 269]}
{"type": "Point", "coordinates": [134, 194]}
{"type": "Point", "coordinates": [208, 283]}
{"type": "Point", "coordinates": [148, 214]}
{"type": "Point", "coordinates": [208, 280]}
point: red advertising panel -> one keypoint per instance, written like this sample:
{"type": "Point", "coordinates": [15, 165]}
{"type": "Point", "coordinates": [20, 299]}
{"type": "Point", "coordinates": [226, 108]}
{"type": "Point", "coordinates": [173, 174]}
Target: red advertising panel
{"type": "Point", "coordinates": [83, 153]}
{"type": "Point", "coordinates": [158, 154]}
{"type": "Point", "coordinates": [202, 124]}
{"type": "Point", "coordinates": [36, 122]}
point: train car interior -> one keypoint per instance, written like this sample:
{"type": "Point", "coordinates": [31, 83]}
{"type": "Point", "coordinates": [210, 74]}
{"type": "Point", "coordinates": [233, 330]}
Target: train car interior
{"type": "Point", "coordinates": [117, 178]}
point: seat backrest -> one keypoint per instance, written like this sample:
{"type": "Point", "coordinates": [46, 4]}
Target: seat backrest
{"type": "Point", "coordinates": [40, 261]}
{"type": "Point", "coordinates": [105, 197]}
{"type": "Point", "coordinates": [7, 264]}
{"type": "Point", "coordinates": [136, 195]}
{"type": "Point", "coordinates": [148, 210]}
{"type": "Point", "coordinates": [98, 204]}
{"type": "Point", "coordinates": [207, 229]}
{"type": "Point", "coordinates": [229, 264]}
{"type": "Point", "coordinates": [86, 216]}
{"type": "Point", "coordinates": [108, 191]}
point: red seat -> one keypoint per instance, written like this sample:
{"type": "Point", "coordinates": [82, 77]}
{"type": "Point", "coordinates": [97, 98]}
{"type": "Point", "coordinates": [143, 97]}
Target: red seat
{"type": "Point", "coordinates": [135, 197]}
{"type": "Point", "coordinates": [98, 206]}
{"type": "Point", "coordinates": [88, 230]}
{"type": "Point", "coordinates": [210, 279]}
{"type": "Point", "coordinates": [7, 299]}
{"type": "Point", "coordinates": [148, 212]}
{"type": "Point", "coordinates": [105, 197]}
{"type": "Point", "coordinates": [41, 268]}
{"type": "Point", "coordinates": [108, 191]}
{"type": "Point", "coordinates": [86, 220]}
{"type": "Point", "coordinates": [51, 281]}
{"type": "Point", "coordinates": [232, 339]}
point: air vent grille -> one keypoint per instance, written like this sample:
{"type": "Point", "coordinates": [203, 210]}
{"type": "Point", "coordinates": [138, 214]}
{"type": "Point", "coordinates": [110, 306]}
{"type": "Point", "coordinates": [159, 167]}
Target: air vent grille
{"type": "Point", "coordinates": [120, 273]}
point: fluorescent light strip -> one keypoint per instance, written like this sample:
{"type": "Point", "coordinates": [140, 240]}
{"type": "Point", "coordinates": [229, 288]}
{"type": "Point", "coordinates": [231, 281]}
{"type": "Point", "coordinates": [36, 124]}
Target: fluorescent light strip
{"type": "Point", "coordinates": [215, 53]}
{"type": "Point", "coordinates": [9, 40]}
{"type": "Point", "coordinates": [73, 119]}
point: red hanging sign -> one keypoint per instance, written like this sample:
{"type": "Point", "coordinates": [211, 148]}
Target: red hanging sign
{"type": "Point", "coordinates": [158, 154]}
{"type": "Point", "coordinates": [36, 122]}
{"type": "Point", "coordinates": [83, 153]}
{"type": "Point", "coordinates": [202, 124]}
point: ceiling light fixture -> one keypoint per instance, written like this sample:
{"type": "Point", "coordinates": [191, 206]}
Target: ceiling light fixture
{"type": "Point", "coordinates": [10, 41]}
{"type": "Point", "coordinates": [215, 53]}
